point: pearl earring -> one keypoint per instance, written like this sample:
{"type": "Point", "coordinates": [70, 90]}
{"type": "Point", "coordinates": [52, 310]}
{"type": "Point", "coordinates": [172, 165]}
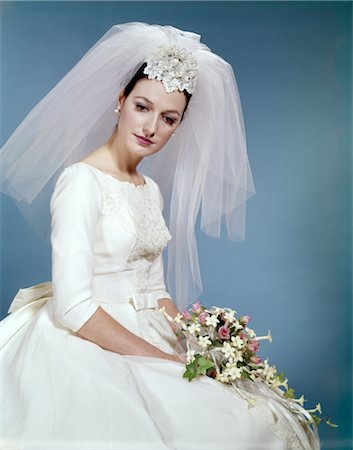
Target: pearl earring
{"type": "Point", "coordinates": [117, 109]}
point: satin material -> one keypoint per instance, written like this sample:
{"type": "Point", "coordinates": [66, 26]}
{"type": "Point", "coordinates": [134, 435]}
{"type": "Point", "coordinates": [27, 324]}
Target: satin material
{"type": "Point", "coordinates": [64, 392]}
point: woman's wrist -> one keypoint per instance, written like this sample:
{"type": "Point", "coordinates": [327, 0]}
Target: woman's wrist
{"type": "Point", "coordinates": [175, 357]}
{"type": "Point", "coordinates": [170, 309]}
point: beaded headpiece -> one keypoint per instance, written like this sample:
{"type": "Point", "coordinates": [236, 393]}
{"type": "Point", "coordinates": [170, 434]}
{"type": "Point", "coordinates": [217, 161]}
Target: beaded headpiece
{"type": "Point", "coordinates": [174, 66]}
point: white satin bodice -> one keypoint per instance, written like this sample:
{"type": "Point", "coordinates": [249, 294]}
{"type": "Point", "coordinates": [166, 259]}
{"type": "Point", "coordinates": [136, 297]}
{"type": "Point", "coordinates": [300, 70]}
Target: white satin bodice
{"type": "Point", "coordinates": [107, 241]}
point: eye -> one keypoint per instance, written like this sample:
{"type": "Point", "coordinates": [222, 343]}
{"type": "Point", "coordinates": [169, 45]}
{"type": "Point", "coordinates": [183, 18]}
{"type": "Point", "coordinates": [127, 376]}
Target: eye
{"type": "Point", "coordinates": [170, 120]}
{"type": "Point", "coordinates": [140, 107]}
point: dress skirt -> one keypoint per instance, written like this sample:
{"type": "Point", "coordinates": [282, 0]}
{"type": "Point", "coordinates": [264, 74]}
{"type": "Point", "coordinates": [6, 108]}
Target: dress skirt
{"type": "Point", "coordinates": [60, 391]}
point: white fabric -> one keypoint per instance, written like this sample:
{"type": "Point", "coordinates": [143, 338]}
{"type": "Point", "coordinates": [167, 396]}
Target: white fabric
{"type": "Point", "coordinates": [203, 168]}
{"type": "Point", "coordinates": [60, 391]}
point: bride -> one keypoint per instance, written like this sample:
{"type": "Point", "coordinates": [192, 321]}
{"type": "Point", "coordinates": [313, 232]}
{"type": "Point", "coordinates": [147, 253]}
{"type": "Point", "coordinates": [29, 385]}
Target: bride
{"type": "Point", "coordinates": [88, 359]}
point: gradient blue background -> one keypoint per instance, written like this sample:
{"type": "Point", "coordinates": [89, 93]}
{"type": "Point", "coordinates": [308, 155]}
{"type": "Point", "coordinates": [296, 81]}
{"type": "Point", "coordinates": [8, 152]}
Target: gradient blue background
{"type": "Point", "coordinates": [292, 61]}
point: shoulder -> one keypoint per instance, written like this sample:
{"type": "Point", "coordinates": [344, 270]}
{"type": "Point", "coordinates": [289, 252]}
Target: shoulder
{"type": "Point", "coordinates": [152, 184]}
{"type": "Point", "coordinates": [77, 181]}
{"type": "Point", "coordinates": [155, 189]}
{"type": "Point", "coordinates": [150, 181]}
{"type": "Point", "coordinates": [77, 174]}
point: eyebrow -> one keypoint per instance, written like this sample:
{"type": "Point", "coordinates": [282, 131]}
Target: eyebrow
{"type": "Point", "coordinates": [149, 101]}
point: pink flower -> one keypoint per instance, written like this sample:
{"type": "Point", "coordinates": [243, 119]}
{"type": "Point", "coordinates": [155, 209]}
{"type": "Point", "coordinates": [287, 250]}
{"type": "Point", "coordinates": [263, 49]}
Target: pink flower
{"type": "Point", "coordinates": [255, 359]}
{"type": "Point", "coordinates": [196, 307]}
{"type": "Point", "coordinates": [223, 332]}
{"type": "Point", "coordinates": [244, 320]}
{"type": "Point", "coordinates": [186, 315]}
{"type": "Point", "coordinates": [202, 317]}
{"type": "Point", "coordinates": [253, 345]}
{"type": "Point", "coordinates": [242, 335]}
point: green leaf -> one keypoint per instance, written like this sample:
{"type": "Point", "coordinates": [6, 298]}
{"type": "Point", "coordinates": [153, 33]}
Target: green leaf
{"type": "Point", "coordinates": [203, 365]}
{"type": "Point", "coordinates": [281, 376]}
{"type": "Point", "coordinates": [190, 371]}
{"type": "Point", "coordinates": [316, 419]}
{"type": "Point", "coordinates": [198, 367]}
{"type": "Point", "coordinates": [245, 375]}
{"type": "Point", "coordinates": [289, 393]}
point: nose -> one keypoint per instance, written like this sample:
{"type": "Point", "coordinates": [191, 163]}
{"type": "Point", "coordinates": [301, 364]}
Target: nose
{"type": "Point", "coordinates": [150, 126]}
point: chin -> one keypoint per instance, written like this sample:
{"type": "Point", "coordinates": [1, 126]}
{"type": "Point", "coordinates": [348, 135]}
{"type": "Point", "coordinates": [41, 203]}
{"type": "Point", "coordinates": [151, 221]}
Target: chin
{"type": "Point", "coordinates": [150, 150]}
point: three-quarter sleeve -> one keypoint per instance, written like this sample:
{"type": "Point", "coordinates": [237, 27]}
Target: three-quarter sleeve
{"type": "Point", "coordinates": [156, 284]}
{"type": "Point", "coordinates": [74, 206]}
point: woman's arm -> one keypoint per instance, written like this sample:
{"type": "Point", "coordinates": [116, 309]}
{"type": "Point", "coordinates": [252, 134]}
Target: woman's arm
{"type": "Point", "coordinates": [109, 334]}
{"type": "Point", "coordinates": [171, 310]}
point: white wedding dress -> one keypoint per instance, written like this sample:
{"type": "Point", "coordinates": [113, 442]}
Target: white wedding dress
{"type": "Point", "coordinates": [60, 391]}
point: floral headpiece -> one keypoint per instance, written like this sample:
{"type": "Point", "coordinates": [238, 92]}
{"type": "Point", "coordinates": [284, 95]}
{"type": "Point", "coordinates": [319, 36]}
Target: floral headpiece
{"type": "Point", "coordinates": [174, 66]}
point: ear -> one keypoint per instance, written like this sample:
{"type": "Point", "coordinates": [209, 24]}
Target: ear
{"type": "Point", "coordinates": [121, 98]}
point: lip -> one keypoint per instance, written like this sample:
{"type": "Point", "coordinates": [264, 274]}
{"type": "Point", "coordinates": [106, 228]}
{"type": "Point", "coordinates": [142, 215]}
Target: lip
{"type": "Point", "coordinates": [142, 140]}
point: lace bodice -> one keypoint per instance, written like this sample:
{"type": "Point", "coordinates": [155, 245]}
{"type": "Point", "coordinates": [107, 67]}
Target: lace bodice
{"type": "Point", "coordinates": [140, 210]}
{"type": "Point", "coordinates": [141, 205]}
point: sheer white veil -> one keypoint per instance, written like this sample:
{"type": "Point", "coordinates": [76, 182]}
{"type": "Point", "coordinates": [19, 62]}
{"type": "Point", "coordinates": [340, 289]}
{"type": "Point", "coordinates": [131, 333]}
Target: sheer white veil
{"type": "Point", "coordinates": [203, 168]}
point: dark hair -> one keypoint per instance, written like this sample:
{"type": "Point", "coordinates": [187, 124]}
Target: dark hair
{"type": "Point", "coordinates": [139, 75]}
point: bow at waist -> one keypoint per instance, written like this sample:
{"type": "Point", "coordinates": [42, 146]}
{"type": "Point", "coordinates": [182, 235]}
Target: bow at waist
{"type": "Point", "coordinates": [109, 289]}
{"type": "Point", "coordinates": [144, 300]}
{"type": "Point", "coordinates": [139, 300]}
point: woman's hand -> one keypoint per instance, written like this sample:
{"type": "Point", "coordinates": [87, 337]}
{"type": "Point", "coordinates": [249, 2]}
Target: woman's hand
{"type": "Point", "coordinates": [171, 310]}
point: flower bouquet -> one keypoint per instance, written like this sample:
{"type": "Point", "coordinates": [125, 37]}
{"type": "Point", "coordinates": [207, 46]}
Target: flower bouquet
{"type": "Point", "coordinates": [222, 346]}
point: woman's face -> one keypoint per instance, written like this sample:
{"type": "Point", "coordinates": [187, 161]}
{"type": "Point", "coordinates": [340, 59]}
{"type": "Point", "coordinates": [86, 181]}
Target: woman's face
{"type": "Point", "coordinates": [151, 113]}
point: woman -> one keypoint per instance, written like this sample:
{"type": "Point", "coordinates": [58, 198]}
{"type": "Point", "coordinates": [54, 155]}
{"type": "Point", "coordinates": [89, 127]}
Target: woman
{"type": "Point", "coordinates": [89, 361]}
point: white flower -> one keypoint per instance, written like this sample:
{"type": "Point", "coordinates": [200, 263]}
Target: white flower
{"type": "Point", "coordinates": [204, 341]}
{"type": "Point", "coordinates": [195, 326]}
{"type": "Point", "coordinates": [266, 338]}
{"type": "Point", "coordinates": [229, 315]}
{"type": "Point", "coordinates": [222, 377]}
{"type": "Point", "coordinates": [238, 356]}
{"type": "Point", "coordinates": [178, 318]}
{"type": "Point", "coordinates": [317, 408]}
{"type": "Point", "coordinates": [190, 356]}
{"type": "Point", "coordinates": [277, 383]}
{"type": "Point", "coordinates": [251, 333]}
{"type": "Point", "coordinates": [228, 350]}
{"type": "Point", "coordinates": [162, 309]}
{"type": "Point", "coordinates": [285, 383]}
{"type": "Point", "coordinates": [238, 326]}
{"type": "Point", "coordinates": [269, 372]}
{"type": "Point", "coordinates": [300, 400]}
{"type": "Point", "coordinates": [237, 342]}
{"type": "Point", "coordinates": [233, 371]}
{"type": "Point", "coordinates": [212, 320]}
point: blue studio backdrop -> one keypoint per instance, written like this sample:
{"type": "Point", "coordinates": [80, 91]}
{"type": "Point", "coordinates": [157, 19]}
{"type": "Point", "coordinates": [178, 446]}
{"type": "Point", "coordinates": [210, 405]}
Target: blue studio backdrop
{"type": "Point", "coordinates": [292, 274]}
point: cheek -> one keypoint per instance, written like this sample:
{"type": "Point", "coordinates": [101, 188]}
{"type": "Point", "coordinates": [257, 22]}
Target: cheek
{"type": "Point", "coordinates": [166, 135]}
{"type": "Point", "coordinates": [129, 119]}
{"type": "Point", "coordinates": [167, 138]}
{"type": "Point", "coordinates": [167, 130]}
